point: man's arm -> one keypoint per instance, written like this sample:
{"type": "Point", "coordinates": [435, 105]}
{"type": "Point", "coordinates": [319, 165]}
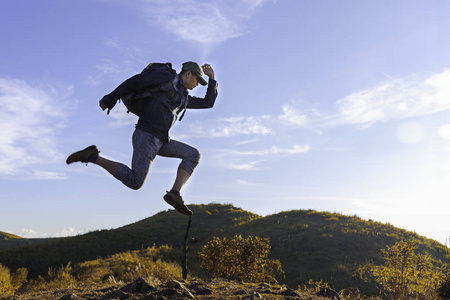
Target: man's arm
{"type": "Point", "coordinates": [211, 92]}
{"type": "Point", "coordinates": [209, 99]}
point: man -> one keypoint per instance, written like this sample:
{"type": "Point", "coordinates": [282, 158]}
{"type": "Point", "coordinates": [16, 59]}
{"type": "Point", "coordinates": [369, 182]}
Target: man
{"type": "Point", "coordinates": [151, 136]}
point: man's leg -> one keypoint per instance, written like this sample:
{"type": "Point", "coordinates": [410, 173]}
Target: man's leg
{"type": "Point", "coordinates": [180, 180]}
{"type": "Point", "coordinates": [145, 147]}
{"type": "Point", "coordinates": [190, 158]}
{"type": "Point", "coordinates": [108, 165]}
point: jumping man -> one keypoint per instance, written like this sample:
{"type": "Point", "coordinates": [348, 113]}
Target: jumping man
{"type": "Point", "coordinates": [166, 96]}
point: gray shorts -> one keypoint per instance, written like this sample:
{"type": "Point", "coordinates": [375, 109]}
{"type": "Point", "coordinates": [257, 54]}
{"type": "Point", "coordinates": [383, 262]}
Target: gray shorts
{"type": "Point", "coordinates": [145, 148]}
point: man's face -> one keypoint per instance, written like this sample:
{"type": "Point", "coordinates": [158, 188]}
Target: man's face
{"type": "Point", "coordinates": [190, 81]}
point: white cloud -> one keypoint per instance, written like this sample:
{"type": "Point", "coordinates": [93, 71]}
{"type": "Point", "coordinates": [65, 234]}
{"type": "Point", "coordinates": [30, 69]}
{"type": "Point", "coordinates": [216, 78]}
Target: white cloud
{"type": "Point", "coordinates": [46, 175]}
{"type": "Point", "coordinates": [275, 150]}
{"type": "Point", "coordinates": [230, 127]}
{"type": "Point", "coordinates": [68, 231]}
{"type": "Point", "coordinates": [291, 115]}
{"type": "Point", "coordinates": [28, 233]}
{"type": "Point", "coordinates": [206, 23]}
{"type": "Point", "coordinates": [396, 99]}
{"type": "Point", "coordinates": [65, 232]}
{"type": "Point", "coordinates": [121, 117]}
{"type": "Point", "coordinates": [30, 118]}
{"type": "Point", "coordinates": [251, 159]}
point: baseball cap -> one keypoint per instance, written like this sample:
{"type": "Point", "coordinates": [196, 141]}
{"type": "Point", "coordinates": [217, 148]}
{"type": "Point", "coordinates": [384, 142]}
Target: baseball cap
{"type": "Point", "coordinates": [196, 69]}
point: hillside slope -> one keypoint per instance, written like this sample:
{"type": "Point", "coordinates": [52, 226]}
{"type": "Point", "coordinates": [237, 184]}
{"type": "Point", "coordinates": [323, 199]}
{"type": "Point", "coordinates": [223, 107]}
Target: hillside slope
{"type": "Point", "coordinates": [8, 240]}
{"type": "Point", "coordinates": [309, 244]}
{"type": "Point", "coordinates": [329, 246]}
{"type": "Point", "coordinates": [4, 236]}
{"type": "Point", "coordinates": [164, 228]}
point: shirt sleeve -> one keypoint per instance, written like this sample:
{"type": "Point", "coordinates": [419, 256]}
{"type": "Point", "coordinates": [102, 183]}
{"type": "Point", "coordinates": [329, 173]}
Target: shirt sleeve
{"type": "Point", "coordinates": [209, 99]}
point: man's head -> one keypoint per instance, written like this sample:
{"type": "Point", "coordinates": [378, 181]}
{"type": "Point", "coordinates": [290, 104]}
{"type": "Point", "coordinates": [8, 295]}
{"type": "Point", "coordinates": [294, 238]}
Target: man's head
{"type": "Point", "coordinates": [192, 75]}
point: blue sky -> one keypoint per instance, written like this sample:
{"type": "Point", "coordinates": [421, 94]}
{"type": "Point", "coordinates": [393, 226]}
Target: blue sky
{"type": "Point", "coordinates": [339, 106]}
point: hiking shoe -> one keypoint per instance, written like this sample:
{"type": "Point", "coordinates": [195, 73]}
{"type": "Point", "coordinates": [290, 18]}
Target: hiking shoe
{"type": "Point", "coordinates": [177, 202]}
{"type": "Point", "coordinates": [90, 154]}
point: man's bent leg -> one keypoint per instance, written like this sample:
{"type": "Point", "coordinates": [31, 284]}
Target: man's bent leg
{"type": "Point", "coordinates": [145, 147]}
{"type": "Point", "coordinates": [108, 165]}
{"type": "Point", "coordinates": [92, 155]}
{"type": "Point", "coordinates": [180, 180]}
{"type": "Point", "coordinates": [190, 159]}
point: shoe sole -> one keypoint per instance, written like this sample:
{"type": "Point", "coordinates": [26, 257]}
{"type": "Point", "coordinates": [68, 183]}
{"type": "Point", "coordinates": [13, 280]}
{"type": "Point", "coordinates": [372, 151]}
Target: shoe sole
{"type": "Point", "coordinates": [184, 210]}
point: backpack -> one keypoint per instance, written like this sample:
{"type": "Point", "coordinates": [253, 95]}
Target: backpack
{"type": "Point", "coordinates": [135, 103]}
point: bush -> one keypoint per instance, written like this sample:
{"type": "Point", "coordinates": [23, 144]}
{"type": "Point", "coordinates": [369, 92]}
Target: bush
{"type": "Point", "coordinates": [19, 278]}
{"type": "Point", "coordinates": [5, 281]}
{"type": "Point", "coordinates": [123, 267]}
{"type": "Point", "coordinates": [443, 290]}
{"type": "Point", "coordinates": [9, 283]}
{"type": "Point", "coordinates": [55, 279]}
{"type": "Point", "coordinates": [239, 257]}
{"type": "Point", "coordinates": [129, 265]}
{"type": "Point", "coordinates": [406, 275]}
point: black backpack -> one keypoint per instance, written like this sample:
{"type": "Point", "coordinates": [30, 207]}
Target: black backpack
{"type": "Point", "coordinates": [135, 103]}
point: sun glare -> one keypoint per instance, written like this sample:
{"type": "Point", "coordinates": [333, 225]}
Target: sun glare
{"type": "Point", "coordinates": [444, 132]}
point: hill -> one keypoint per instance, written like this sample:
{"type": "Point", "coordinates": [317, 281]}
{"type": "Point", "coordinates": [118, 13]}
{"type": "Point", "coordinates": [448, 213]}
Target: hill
{"type": "Point", "coordinates": [4, 236]}
{"type": "Point", "coordinates": [309, 244]}
{"type": "Point", "coordinates": [8, 240]}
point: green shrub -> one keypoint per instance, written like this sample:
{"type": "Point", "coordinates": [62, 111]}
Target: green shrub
{"type": "Point", "coordinates": [128, 266]}
{"type": "Point", "coordinates": [19, 278]}
{"type": "Point", "coordinates": [123, 267]}
{"type": "Point", "coordinates": [443, 289]}
{"type": "Point", "coordinates": [9, 283]}
{"type": "Point", "coordinates": [6, 287]}
{"type": "Point", "coordinates": [240, 257]}
{"type": "Point", "coordinates": [405, 274]}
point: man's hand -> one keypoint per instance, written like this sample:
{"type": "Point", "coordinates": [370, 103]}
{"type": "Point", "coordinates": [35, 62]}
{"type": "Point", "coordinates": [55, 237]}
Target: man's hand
{"type": "Point", "coordinates": [103, 107]}
{"type": "Point", "coordinates": [208, 70]}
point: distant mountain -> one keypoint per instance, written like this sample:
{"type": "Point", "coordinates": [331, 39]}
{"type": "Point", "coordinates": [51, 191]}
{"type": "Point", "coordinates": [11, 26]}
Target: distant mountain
{"type": "Point", "coordinates": [8, 240]}
{"type": "Point", "coordinates": [309, 244]}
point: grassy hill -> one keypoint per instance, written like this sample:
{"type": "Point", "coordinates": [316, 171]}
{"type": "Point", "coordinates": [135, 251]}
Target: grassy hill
{"type": "Point", "coordinates": [309, 244]}
{"type": "Point", "coordinates": [4, 236]}
{"type": "Point", "coordinates": [8, 240]}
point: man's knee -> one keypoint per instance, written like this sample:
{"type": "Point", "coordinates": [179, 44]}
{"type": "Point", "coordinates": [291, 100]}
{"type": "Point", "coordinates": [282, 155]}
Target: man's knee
{"type": "Point", "coordinates": [135, 183]}
{"type": "Point", "coordinates": [190, 162]}
{"type": "Point", "coordinates": [196, 156]}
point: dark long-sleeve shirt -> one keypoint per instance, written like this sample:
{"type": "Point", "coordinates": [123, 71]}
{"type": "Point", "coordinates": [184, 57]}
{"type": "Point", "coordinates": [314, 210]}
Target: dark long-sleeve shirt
{"type": "Point", "coordinates": [162, 107]}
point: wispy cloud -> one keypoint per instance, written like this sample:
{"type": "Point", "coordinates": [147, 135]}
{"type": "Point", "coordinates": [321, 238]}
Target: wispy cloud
{"type": "Point", "coordinates": [275, 150]}
{"type": "Point", "coordinates": [230, 127]}
{"type": "Point", "coordinates": [390, 100]}
{"type": "Point", "coordinates": [293, 115]}
{"type": "Point", "coordinates": [121, 117]}
{"type": "Point", "coordinates": [65, 232]}
{"type": "Point", "coordinates": [395, 99]}
{"type": "Point", "coordinates": [30, 118]}
{"type": "Point", "coordinates": [206, 23]}
{"type": "Point", "coordinates": [251, 159]}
